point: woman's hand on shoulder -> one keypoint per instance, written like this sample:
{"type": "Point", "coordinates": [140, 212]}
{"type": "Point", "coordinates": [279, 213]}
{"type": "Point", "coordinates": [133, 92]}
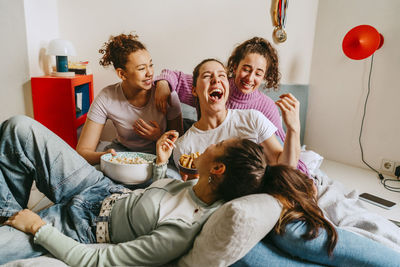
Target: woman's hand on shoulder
{"type": "Point", "coordinates": [165, 145]}
{"type": "Point", "coordinates": [149, 131]}
{"type": "Point", "coordinates": [162, 96]}
{"type": "Point", "coordinates": [290, 108]}
{"type": "Point", "coordinates": [26, 221]}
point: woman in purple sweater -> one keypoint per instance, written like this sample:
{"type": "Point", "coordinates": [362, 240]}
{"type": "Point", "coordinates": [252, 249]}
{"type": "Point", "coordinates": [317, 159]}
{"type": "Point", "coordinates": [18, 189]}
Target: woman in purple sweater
{"type": "Point", "coordinates": [250, 63]}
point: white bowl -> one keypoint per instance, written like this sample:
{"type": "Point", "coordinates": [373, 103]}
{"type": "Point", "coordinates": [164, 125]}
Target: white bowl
{"type": "Point", "coordinates": [128, 173]}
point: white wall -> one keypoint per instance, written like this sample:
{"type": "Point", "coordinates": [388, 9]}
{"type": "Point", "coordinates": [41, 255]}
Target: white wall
{"type": "Point", "coordinates": [338, 85]}
{"type": "Point", "coordinates": [14, 71]}
{"type": "Point", "coordinates": [41, 26]}
{"type": "Point", "coordinates": [180, 33]}
{"type": "Point", "coordinates": [177, 33]}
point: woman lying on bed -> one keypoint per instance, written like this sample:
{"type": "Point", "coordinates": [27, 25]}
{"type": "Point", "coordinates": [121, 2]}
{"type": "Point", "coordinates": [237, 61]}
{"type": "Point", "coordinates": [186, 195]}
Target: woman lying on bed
{"type": "Point", "coordinates": [149, 226]}
{"type": "Point", "coordinates": [301, 219]}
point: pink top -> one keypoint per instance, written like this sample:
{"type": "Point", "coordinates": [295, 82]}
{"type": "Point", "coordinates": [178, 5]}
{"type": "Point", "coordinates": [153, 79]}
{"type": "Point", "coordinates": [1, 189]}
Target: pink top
{"type": "Point", "coordinates": [181, 83]}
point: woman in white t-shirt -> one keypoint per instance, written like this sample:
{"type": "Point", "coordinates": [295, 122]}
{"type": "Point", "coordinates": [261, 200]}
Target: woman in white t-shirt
{"type": "Point", "coordinates": [217, 123]}
{"type": "Point", "coordinates": [129, 104]}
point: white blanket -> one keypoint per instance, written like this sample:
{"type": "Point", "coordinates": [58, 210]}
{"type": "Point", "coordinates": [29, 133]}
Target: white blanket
{"type": "Point", "coordinates": [345, 210]}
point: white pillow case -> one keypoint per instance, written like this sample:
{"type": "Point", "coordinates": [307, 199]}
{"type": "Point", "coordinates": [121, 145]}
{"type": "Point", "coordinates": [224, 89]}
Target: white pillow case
{"type": "Point", "coordinates": [233, 230]}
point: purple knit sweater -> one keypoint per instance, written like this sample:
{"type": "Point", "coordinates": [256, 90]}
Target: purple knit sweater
{"type": "Point", "coordinates": [181, 83]}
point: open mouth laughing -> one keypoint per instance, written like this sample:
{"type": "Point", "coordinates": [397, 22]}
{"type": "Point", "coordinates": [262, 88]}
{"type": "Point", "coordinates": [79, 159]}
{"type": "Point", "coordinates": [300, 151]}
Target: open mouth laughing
{"type": "Point", "coordinates": [216, 94]}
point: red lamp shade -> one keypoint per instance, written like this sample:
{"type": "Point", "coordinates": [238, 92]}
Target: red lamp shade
{"type": "Point", "coordinates": [361, 42]}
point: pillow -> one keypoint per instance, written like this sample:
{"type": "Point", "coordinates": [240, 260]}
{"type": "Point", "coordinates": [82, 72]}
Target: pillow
{"type": "Point", "coordinates": [233, 230]}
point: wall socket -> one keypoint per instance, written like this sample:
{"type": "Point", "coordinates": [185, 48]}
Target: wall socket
{"type": "Point", "coordinates": [388, 166]}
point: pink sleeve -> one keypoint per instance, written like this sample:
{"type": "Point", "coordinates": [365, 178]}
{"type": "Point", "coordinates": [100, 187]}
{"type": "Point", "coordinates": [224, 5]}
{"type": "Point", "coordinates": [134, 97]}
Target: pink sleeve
{"type": "Point", "coordinates": [179, 82]}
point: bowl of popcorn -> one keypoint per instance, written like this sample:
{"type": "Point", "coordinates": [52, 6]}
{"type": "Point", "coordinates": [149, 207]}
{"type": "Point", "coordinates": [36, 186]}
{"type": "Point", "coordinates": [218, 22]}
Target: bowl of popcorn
{"type": "Point", "coordinates": [128, 167]}
{"type": "Point", "coordinates": [186, 163]}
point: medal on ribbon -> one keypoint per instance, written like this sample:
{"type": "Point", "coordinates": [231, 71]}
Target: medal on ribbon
{"type": "Point", "coordinates": [280, 20]}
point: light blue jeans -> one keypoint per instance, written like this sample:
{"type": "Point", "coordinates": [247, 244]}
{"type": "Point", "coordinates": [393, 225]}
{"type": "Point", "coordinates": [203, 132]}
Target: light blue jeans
{"type": "Point", "coordinates": [29, 151]}
{"type": "Point", "coordinates": [291, 250]}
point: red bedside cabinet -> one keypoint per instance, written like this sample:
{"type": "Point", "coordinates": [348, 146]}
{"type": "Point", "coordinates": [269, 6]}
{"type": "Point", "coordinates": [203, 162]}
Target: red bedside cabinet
{"type": "Point", "coordinates": [55, 103]}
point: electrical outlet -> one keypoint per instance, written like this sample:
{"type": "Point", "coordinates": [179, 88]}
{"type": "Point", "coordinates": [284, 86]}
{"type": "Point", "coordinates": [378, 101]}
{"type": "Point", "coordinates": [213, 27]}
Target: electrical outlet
{"type": "Point", "coordinates": [387, 166]}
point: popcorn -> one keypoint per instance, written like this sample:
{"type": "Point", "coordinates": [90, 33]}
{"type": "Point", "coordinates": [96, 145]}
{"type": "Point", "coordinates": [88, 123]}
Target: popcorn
{"type": "Point", "coordinates": [126, 160]}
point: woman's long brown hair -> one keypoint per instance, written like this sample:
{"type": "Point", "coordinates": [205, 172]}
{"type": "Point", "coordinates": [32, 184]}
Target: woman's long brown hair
{"type": "Point", "coordinates": [247, 173]}
{"type": "Point", "coordinates": [295, 191]}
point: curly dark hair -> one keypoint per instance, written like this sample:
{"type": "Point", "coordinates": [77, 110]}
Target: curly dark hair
{"type": "Point", "coordinates": [118, 48]}
{"type": "Point", "coordinates": [262, 47]}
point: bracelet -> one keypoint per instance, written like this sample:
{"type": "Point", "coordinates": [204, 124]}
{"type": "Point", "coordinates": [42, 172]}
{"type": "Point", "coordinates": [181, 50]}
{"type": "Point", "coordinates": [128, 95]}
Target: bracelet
{"type": "Point", "coordinates": [160, 165]}
{"type": "Point", "coordinates": [39, 230]}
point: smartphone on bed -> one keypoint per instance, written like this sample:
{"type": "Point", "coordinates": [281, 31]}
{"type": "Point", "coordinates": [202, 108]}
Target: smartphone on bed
{"type": "Point", "coordinates": [383, 203]}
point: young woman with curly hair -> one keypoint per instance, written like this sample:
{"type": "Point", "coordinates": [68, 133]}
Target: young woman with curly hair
{"type": "Point", "coordinates": [251, 62]}
{"type": "Point", "coordinates": [129, 104]}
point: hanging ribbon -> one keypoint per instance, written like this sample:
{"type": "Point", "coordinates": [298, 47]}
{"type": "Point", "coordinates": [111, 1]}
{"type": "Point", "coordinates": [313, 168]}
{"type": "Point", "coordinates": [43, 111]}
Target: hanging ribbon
{"type": "Point", "coordinates": [280, 20]}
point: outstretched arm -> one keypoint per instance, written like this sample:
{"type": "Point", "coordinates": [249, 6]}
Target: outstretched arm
{"type": "Point", "coordinates": [290, 108]}
{"type": "Point", "coordinates": [289, 154]}
{"type": "Point", "coordinates": [165, 243]}
{"type": "Point", "coordinates": [88, 141]}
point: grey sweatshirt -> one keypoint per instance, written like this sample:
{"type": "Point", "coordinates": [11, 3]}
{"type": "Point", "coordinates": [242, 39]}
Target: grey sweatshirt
{"type": "Point", "coordinates": [152, 226]}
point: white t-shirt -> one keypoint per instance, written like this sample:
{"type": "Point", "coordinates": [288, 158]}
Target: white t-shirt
{"type": "Point", "coordinates": [250, 124]}
{"type": "Point", "coordinates": [112, 104]}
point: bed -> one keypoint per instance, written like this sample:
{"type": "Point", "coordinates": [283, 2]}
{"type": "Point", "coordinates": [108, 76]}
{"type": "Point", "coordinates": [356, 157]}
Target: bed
{"type": "Point", "coordinates": [240, 224]}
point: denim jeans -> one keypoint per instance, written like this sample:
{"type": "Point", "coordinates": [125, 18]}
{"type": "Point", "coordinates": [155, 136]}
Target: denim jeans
{"type": "Point", "coordinates": [28, 152]}
{"type": "Point", "coordinates": [266, 254]}
{"type": "Point", "coordinates": [290, 250]}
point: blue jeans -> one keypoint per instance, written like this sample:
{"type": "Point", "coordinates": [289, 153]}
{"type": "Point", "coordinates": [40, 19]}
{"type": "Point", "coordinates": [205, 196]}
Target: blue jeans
{"type": "Point", "coordinates": [28, 152]}
{"type": "Point", "coordinates": [291, 250]}
{"type": "Point", "coordinates": [266, 254]}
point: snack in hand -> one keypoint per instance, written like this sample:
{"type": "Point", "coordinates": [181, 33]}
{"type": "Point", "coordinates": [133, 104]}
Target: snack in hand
{"type": "Point", "coordinates": [187, 161]}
